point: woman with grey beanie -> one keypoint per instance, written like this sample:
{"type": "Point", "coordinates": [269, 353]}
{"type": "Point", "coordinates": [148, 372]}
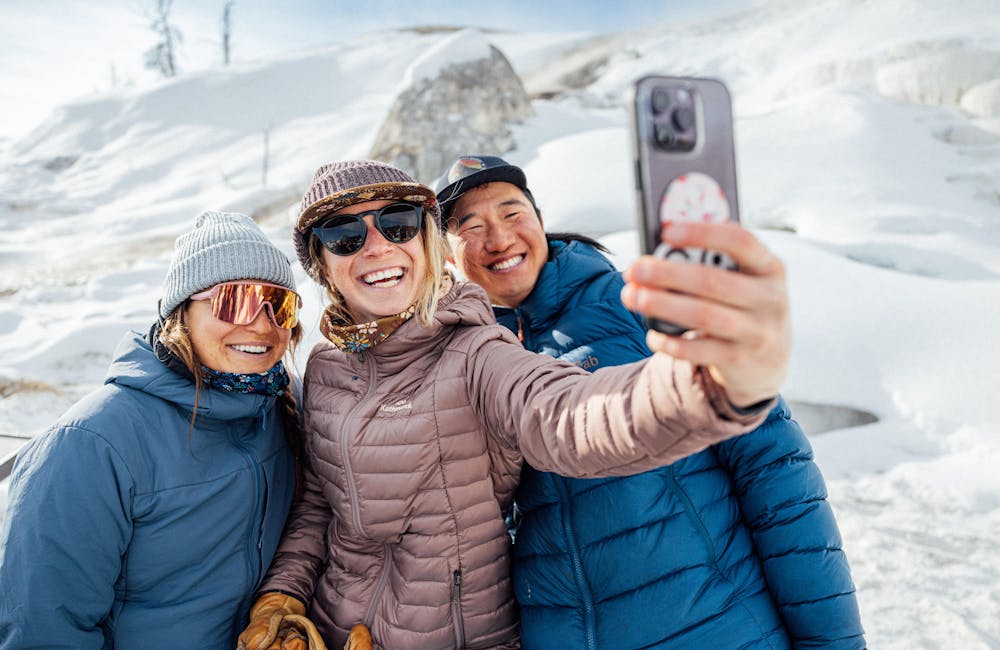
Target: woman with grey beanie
{"type": "Point", "coordinates": [146, 516]}
{"type": "Point", "coordinates": [418, 409]}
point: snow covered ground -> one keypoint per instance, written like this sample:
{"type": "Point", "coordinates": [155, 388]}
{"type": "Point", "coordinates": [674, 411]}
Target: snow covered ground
{"type": "Point", "coordinates": [868, 140]}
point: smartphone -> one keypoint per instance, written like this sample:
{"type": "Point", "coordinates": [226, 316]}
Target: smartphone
{"type": "Point", "coordinates": [685, 164]}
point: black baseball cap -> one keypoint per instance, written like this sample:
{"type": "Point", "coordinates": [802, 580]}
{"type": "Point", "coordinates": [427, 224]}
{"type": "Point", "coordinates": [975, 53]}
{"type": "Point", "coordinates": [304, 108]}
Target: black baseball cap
{"type": "Point", "coordinates": [468, 172]}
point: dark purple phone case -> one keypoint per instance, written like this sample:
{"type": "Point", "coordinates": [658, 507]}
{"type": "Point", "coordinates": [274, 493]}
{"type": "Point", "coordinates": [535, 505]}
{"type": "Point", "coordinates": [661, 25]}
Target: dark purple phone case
{"type": "Point", "coordinates": [655, 168]}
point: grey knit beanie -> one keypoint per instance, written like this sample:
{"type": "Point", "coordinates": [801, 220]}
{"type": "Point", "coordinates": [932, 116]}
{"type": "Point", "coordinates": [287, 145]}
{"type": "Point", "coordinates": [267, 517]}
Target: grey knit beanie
{"type": "Point", "coordinates": [340, 184]}
{"type": "Point", "coordinates": [222, 246]}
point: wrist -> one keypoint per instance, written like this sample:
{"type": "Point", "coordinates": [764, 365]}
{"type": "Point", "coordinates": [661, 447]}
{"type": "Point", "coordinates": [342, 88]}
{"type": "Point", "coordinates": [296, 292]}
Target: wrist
{"type": "Point", "coordinates": [751, 409]}
{"type": "Point", "coordinates": [275, 601]}
{"type": "Point", "coordinates": [743, 402]}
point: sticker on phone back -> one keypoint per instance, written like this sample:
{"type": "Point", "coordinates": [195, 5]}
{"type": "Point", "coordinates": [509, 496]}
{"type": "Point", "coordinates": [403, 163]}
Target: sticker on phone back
{"type": "Point", "coordinates": [694, 197]}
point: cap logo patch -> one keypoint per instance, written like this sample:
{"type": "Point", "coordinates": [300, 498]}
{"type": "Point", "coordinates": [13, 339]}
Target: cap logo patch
{"type": "Point", "coordinates": [463, 167]}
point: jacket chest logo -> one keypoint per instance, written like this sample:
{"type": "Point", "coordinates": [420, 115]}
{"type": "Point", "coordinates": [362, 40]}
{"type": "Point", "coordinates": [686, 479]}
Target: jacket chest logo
{"type": "Point", "coordinates": [396, 407]}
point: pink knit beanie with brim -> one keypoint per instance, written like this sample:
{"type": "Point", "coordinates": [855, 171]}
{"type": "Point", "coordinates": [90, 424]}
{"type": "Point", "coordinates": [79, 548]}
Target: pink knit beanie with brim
{"type": "Point", "coordinates": [340, 184]}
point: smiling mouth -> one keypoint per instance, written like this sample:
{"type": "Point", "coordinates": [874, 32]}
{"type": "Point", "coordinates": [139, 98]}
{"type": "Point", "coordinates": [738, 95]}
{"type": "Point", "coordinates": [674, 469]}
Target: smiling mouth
{"type": "Point", "coordinates": [383, 279]}
{"type": "Point", "coordinates": [506, 264]}
{"type": "Point", "coordinates": [251, 349]}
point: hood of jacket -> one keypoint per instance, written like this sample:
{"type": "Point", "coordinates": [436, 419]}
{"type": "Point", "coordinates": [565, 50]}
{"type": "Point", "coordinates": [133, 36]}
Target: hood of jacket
{"type": "Point", "coordinates": [135, 365]}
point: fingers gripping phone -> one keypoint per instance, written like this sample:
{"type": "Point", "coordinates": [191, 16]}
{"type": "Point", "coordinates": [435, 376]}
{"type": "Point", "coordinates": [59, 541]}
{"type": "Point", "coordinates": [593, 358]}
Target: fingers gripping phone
{"type": "Point", "coordinates": [685, 164]}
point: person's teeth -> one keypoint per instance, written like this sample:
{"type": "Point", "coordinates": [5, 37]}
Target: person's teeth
{"type": "Point", "coordinates": [385, 277]}
{"type": "Point", "coordinates": [251, 349]}
{"type": "Point", "coordinates": [510, 263]}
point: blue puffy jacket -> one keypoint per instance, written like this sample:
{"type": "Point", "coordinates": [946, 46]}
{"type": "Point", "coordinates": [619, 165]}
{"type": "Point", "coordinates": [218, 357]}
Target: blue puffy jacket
{"type": "Point", "coordinates": [127, 529]}
{"type": "Point", "coordinates": [734, 547]}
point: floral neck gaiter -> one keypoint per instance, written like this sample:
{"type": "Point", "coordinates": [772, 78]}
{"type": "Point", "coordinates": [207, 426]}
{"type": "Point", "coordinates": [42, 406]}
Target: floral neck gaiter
{"type": "Point", "coordinates": [273, 382]}
{"type": "Point", "coordinates": [356, 338]}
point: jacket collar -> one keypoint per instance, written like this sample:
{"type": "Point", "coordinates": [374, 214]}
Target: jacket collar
{"type": "Point", "coordinates": [136, 366]}
{"type": "Point", "coordinates": [570, 265]}
{"type": "Point", "coordinates": [465, 304]}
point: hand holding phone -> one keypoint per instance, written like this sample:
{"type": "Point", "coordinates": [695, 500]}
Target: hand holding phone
{"type": "Point", "coordinates": [686, 175]}
{"type": "Point", "coordinates": [685, 165]}
{"type": "Point", "coordinates": [740, 321]}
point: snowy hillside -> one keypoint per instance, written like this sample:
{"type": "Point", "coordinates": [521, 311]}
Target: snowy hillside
{"type": "Point", "coordinates": [868, 139]}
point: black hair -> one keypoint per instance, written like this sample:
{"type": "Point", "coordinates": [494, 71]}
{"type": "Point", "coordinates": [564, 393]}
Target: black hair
{"type": "Point", "coordinates": [568, 237]}
{"type": "Point", "coordinates": [565, 237]}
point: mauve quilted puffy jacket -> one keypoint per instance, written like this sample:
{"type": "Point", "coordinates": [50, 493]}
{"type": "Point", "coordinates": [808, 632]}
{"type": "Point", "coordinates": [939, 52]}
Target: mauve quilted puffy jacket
{"type": "Point", "coordinates": [414, 449]}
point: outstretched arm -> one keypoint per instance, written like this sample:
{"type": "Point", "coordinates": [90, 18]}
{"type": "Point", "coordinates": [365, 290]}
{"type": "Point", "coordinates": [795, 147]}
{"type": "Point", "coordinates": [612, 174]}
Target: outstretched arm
{"type": "Point", "coordinates": [617, 421]}
{"type": "Point", "coordinates": [739, 321]}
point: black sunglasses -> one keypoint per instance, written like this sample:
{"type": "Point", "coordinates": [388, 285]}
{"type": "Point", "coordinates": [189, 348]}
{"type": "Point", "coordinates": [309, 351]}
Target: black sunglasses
{"type": "Point", "coordinates": [344, 234]}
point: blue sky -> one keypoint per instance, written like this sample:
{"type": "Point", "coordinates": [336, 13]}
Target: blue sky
{"type": "Point", "coordinates": [521, 15]}
{"type": "Point", "coordinates": [54, 50]}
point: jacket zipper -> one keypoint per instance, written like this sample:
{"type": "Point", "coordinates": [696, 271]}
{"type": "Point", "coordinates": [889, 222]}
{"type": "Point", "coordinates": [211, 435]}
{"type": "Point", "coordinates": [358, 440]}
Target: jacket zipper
{"type": "Point", "coordinates": [256, 521]}
{"type": "Point", "coordinates": [345, 446]}
{"type": "Point", "coordinates": [695, 517]}
{"type": "Point", "coordinates": [523, 335]}
{"type": "Point", "coordinates": [260, 529]}
{"type": "Point", "coordinates": [573, 548]}
{"type": "Point", "coordinates": [264, 407]}
{"type": "Point", "coordinates": [383, 579]}
{"type": "Point", "coordinates": [456, 608]}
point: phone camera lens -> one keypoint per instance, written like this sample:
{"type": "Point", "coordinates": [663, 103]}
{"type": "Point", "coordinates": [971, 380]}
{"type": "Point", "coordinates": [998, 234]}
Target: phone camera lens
{"type": "Point", "coordinates": [660, 100]}
{"type": "Point", "coordinates": [682, 118]}
{"type": "Point", "coordinates": [664, 135]}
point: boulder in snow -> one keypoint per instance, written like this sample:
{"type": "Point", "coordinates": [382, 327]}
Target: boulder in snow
{"type": "Point", "coordinates": [462, 98]}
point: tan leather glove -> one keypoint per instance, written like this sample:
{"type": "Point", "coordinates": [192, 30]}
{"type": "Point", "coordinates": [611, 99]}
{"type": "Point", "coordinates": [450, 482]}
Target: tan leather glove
{"type": "Point", "coordinates": [360, 639]}
{"type": "Point", "coordinates": [278, 622]}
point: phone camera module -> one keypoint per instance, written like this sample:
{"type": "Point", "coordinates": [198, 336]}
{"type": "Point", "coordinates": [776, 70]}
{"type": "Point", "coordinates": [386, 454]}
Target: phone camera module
{"type": "Point", "coordinates": [673, 119]}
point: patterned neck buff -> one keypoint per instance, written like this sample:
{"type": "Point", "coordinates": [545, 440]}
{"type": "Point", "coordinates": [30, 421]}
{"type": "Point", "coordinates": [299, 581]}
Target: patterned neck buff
{"type": "Point", "coordinates": [273, 382]}
{"type": "Point", "coordinates": [356, 338]}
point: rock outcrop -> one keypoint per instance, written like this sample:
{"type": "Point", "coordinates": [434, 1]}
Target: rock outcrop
{"type": "Point", "coordinates": [467, 107]}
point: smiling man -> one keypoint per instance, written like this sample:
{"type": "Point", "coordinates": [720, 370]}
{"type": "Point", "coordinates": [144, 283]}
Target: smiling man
{"type": "Point", "coordinates": [735, 546]}
{"type": "Point", "coordinates": [497, 227]}
{"type": "Point", "coordinates": [498, 241]}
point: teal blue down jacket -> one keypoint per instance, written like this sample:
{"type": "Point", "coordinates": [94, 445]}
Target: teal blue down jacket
{"type": "Point", "coordinates": [125, 528]}
{"type": "Point", "coordinates": [734, 547]}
